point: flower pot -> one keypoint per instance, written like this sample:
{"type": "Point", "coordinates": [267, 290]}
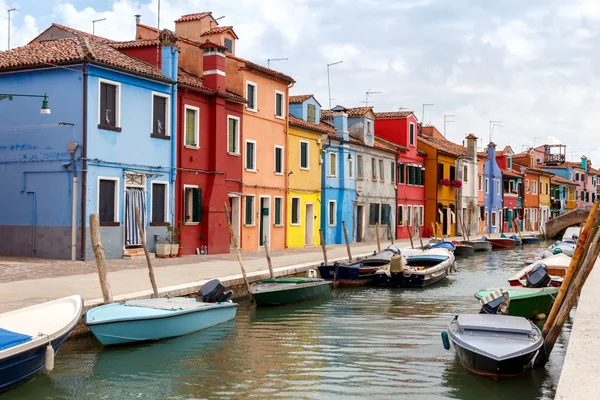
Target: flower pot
{"type": "Point", "coordinates": [174, 250]}
{"type": "Point", "coordinates": [163, 250]}
{"type": "Point", "coordinates": [179, 251]}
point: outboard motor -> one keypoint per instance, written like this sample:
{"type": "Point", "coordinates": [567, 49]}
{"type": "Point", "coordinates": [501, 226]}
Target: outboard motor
{"type": "Point", "coordinates": [213, 291]}
{"type": "Point", "coordinates": [496, 302]}
{"type": "Point", "coordinates": [491, 307]}
{"type": "Point", "coordinates": [538, 277]}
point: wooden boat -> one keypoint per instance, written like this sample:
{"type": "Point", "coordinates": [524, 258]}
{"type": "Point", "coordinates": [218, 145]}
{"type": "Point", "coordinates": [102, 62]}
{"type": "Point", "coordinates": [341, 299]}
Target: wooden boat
{"type": "Point", "coordinates": [360, 272]}
{"type": "Point", "coordinates": [530, 239]}
{"type": "Point", "coordinates": [502, 243]}
{"type": "Point", "coordinates": [479, 244]}
{"type": "Point", "coordinates": [31, 336]}
{"type": "Point", "coordinates": [496, 346]}
{"type": "Point", "coordinates": [155, 319]}
{"type": "Point", "coordinates": [288, 290]}
{"type": "Point", "coordinates": [463, 249]}
{"type": "Point", "coordinates": [526, 302]}
{"type": "Point", "coordinates": [567, 248]}
{"type": "Point", "coordinates": [419, 270]}
{"type": "Point", "coordinates": [450, 246]}
{"type": "Point", "coordinates": [557, 266]}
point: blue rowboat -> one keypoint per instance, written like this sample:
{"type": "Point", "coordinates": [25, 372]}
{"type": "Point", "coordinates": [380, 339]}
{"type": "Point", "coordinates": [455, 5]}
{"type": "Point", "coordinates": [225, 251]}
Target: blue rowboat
{"type": "Point", "coordinates": [31, 336]}
{"type": "Point", "coordinates": [155, 319]}
{"type": "Point", "coordinates": [529, 240]}
{"type": "Point", "coordinates": [444, 245]}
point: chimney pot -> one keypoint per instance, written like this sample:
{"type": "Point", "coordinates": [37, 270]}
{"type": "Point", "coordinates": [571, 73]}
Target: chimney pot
{"type": "Point", "coordinates": [138, 19]}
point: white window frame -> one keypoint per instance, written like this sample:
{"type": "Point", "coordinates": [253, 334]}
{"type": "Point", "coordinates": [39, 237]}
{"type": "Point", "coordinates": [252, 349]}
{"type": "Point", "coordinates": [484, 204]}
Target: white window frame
{"type": "Point", "coordinates": [255, 109]}
{"type": "Point", "coordinates": [196, 131]}
{"type": "Point", "coordinates": [117, 190]}
{"type": "Point", "coordinates": [527, 187]}
{"type": "Point", "coordinates": [166, 183]}
{"type": "Point", "coordinates": [480, 182]}
{"type": "Point", "coordinates": [246, 141]}
{"type": "Point", "coordinates": [329, 213]}
{"type": "Point", "coordinates": [494, 219]}
{"type": "Point", "coordinates": [411, 141]}
{"type": "Point", "coordinates": [487, 185]}
{"type": "Point", "coordinates": [497, 186]}
{"type": "Point", "coordinates": [282, 223]}
{"type": "Point", "coordinates": [292, 223]}
{"type": "Point", "coordinates": [369, 124]}
{"type": "Point", "coordinates": [534, 189]}
{"type": "Point", "coordinates": [282, 116]}
{"type": "Point", "coordinates": [253, 223]}
{"type": "Point", "coordinates": [409, 216]}
{"type": "Point", "coordinates": [422, 215]}
{"type": "Point", "coordinates": [332, 155]}
{"type": "Point", "coordinates": [185, 187]}
{"type": "Point", "coordinates": [307, 168]}
{"type": "Point", "coordinates": [275, 160]}
{"type": "Point", "coordinates": [400, 222]}
{"type": "Point", "coordinates": [167, 113]}
{"type": "Point", "coordinates": [351, 168]}
{"type": "Point", "coordinates": [117, 101]}
{"type": "Point", "coordinates": [237, 135]}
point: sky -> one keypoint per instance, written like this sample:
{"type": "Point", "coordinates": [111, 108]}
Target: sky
{"type": "Point", "coordinates": [533, 65]}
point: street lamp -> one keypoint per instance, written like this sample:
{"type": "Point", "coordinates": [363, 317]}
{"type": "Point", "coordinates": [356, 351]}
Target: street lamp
{"type": "Point", "coordinates": [329, 80]}
{"type": "Point", "coordinates": [45, 108]}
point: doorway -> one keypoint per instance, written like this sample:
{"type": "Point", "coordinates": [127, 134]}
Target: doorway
{"type": "Point", "coordinates": [446, 221]}
{"type": "Point", "coordinates": [264, 231]}
{"type": "Point", "coordinates": [309, 225]}
{"type": "Point", "coordinates": [234, 217]}
{"type": "Point", "coordinates": [360, 223]}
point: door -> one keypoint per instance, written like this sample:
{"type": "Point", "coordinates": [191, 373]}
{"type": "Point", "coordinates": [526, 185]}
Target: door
{"type": "Point", "coordinates": [500, 221]}
{"type": "Point", "coordinates": [446, 221]}
{"type": "Point", "coordinates": [234, 217]}
{"type": "Point", "coordinates": [134, 198]}
{"type": "Point", "coordinates": [359, 235]}
{"type": "Point", "coordinates": [309, 225]}
{"type": "Point", "coordinates": [264, 231]}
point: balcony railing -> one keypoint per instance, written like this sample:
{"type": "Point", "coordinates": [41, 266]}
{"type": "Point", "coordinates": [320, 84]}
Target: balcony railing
{"type": "Point", "coordinates": [554, 158]}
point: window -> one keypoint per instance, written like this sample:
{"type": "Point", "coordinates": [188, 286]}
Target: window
{"type": "Point", "coordinates": [497, 186]}
{"type": "Point", "coordinates": [480, 185]}
{"type": "Point", "coordinates": [249, 211]}
{"type": "Point", "coordinates": [494, 222]}
{"type": "Point", "coordinates": [295, 214]}
{"type": "Point", "coordinates": [511, 186]}
{"type": "Point", "coordinates": [369, 127]}
{"type": "Point", "coordinates": [409, 216]}
{"type": "Point", "coordinates": [250, 155]}
{"type": "Point", "coordinates": [400, 215]}
{"type": "Point", "coordinates": [279, 108]}
{"type": "Point", "coordinates": [466, 173]}
{"type": "Point", "coordinates": [386, 211]}
{"type": "Point", "coordinates": [547, 187]}
{"type": "Point", "coordinates": [311, 113]}
{"type": "Point", "coordinates": [159, 202]}
{"type": "Point", "coordinates": [350, 168]}
{"type": "Point", "coordinates": [233, 135]}
{"type": "Point", "coordinates": [228, 45]}
{"type": "Point", "coordinates": [576, 176]}
{"type": "Point", "coordinates": [532, 162]}
{"type": "Point", "coordinates": [278, 211]}
{"type": "Point", "coordinates": [381, 174]}
{"type": "Point", "coordinates": [452, 173]}
{"type": "Point", "coordinates": [332, 164]}
{"type": "Point", "coordinates": [411, 134]}
{"type": "Point", "coordinates": [487, 185]}
{"type": "Point", "coordinates": [421, 215]}
{"type": "Point", "coordinates": [440, 171]}
{"type": "Point", "coordinates": [332, 211]}
{"type": "Point", "coordinates": [526, 185]}
{"type": "Point", "coordinates": [393, 172]}
{"type": "Point", "coordinates": [359, 167]}
{"type": "Point", "coordinates": [374, 213]}
{"type": "Point", "coordinates": [251, 96]}
{"type": "Point", "coordinates": [160, 111]}
{"type": "Point", "coordinates": [533, 187]}
{"type": "Point", "coordinates": [279, 160]}
{"type": "Point", "coordinates": [400, 173]}
{"type": "Point", "coordinates": [191, 126]}
{"type": "Point", "coordinates": [192, 204]}
{"type": "Point", "coordinates": [108, 200]}
{"type": "Point", "coordinates": [109, 113]}
{"type": "Point", "coordinates": [304, 155]}
{"type": "Point", "coordinates": [510, 163]}
{"type": "Point", "coordinates": [373, 169]}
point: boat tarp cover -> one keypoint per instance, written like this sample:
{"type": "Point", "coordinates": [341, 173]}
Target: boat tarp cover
{"type": "Point", "coordinates": [167, 304]}
{"type": "Point", "coordinates": [497, 323]}
{"type": "Point", "coordinates": [10, 339]}
{"type": "Point", "coordinates": [291, 280]}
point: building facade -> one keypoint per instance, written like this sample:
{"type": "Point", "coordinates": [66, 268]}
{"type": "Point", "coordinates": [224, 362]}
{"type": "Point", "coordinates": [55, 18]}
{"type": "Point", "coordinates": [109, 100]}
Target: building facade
{"type": "Point", "coordinates": [512, 183]}
{"type": "Point", "coordinates": [493, 190]}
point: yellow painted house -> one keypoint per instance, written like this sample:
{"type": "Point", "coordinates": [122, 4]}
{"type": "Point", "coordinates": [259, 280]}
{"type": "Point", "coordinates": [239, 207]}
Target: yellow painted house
{"type": "Point", "coordinates": [305, 136]}
{"type": "Point", "coordinates": [544, 191]}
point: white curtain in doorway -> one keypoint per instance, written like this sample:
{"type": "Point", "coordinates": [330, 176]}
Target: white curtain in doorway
{"type": "Point", "coordinates": [134, 197]}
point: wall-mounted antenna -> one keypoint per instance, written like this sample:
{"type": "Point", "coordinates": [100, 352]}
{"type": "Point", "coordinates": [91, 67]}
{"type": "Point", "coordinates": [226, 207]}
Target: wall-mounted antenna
{"type": "Point", "coordinates": [274, 59]}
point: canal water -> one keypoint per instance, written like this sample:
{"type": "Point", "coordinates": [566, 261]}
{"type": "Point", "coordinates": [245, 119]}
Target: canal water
{"type": "Point", "coordinates": [358, 343]}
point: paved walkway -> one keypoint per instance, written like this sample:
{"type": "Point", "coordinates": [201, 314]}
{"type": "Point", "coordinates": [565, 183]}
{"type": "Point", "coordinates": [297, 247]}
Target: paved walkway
{"type": "Point", "coordinates": [581, 365]}
{"type": "Point", "coordinates": [26, 281]}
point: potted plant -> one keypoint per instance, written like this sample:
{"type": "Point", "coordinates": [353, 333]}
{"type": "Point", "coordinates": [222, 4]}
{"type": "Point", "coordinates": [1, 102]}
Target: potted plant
{"type": "Point", "coordinates": [445, 182]}
{"type": "Point", "coordinates": [179, 246]}
{"type": "Point", "coordinates": [163, 250]}
{"type": "Point", "coordinates": [457, 183]}
{"type": "Point", "coordinates": [173, 233]}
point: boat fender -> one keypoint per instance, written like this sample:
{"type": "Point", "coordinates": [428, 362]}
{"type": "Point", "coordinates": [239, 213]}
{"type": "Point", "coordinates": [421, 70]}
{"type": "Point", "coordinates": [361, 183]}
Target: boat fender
{"type": "Point", "coordinates": [49, 358]}
{"type": "Point", "coordinates": [445, 340]}
{"type": "Point", "coordinates": [557, 250]}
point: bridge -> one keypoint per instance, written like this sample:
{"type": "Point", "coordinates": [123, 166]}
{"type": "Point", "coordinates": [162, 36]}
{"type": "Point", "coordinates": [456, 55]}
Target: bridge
{"type": "Point", "coordinates": [558, 224]}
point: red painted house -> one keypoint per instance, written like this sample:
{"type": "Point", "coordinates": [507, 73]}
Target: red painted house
{"type": "Point", "coordinates": [400, 128]}
{"type": "Point", "coordinates": [512, 182]}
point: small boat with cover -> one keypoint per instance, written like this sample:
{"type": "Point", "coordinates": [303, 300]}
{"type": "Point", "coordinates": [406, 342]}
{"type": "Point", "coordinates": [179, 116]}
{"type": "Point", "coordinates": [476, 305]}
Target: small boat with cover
{"type": "Point", "coordinates": [441, 245]}
{"type": "Point", "coordinates": [565, 247]}
{"type": "Point", "coordinates": [555, 265]}
{"type": "Point", "coordinates": [154, 319]}
{"type": "Point", "coordinates": [502, 243]}
{"type": "Point", "coordinates": [277, 291]}
{"type": "Point", "coordinates": [419, 270]}
{"type": "Point", "coordinates": [479, 244]}
{"type": "Point", "coordinates": [31, 336]}
{"type": "Point", "coordinates": [529, 239]}
{"type": "Point", "coordinates": [496, 346]}
{"type": "Point", "coordinates": [462, 249]}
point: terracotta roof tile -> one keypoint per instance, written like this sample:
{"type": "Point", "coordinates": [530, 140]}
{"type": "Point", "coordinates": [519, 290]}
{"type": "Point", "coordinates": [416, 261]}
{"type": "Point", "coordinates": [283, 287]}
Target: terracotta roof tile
{"type": "Point", "coordinates": [220, 29]}
{"type": "Point", "coordinates": [264, 70]}
{"type": "Point", "coordinates": [327, 114]}
{"type": "Point", "coordinates": [557, 166]}
{"type": "Point", "coordinates": [471, 136]}
{"type": "Point", "coordinates": [188, 79]}
{"type": "Point", "coordinates": [300, 123]}
{"type": "Point", "coordinates": [561, 181]}
{"type": "Point", "coordinates": [391, 145]}
{"type": "Point", "coordinates": [575, 164]}
{"type": "Point", "coordinates": [444, 145]}
{"type": "Point", "coordinates": [482, 154]}
{"type": "Point", "coordinates": [393, 114]}
{"type": "Point", "coordinates": [299, 98]}
{"type": "Point", "coordinates": [135, 43]}
{"type": "Point", "coordinates": [534, 169]}
{"type": "Point", "coordinates": [358, 111]}
{"type": "Point", "coordinates": [510, 173]}
{"type": "Point", "coordinates": [81, 33]}
{"type": "Point", "coordinates": [193, 17]}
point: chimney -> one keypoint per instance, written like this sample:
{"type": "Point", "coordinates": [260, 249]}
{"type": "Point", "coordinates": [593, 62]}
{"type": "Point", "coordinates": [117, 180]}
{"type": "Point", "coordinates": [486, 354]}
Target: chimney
{"type": "Point", "coordinates": [340, 122]}
{"type": "Point", "coordinates": [584, 162]}
{"type": "Point", "coordinates": [138, 19]}
{"type": "Point", "coordinates": [491, 153]}
{"type": "Point", "coordinates": [472, 146]}
{"type": "Point", "coordinates": [214, 63]}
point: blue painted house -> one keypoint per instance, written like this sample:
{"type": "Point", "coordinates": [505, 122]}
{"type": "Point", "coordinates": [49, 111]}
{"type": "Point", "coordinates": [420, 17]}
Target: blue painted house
{"type": "Point", "coordinates": [493, 204]}
{"type": "Point", "coordinates": [338, 193]}
{"type": "Point", "coordinates": [107, 147]}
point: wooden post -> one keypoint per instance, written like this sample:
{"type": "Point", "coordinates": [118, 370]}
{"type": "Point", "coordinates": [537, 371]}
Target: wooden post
{"type": "Point", "coordinates": [237, 252]}
{"type": "Point", "coordinates": [391, 232]}
{"type": "Point", "coordinates": [138, 221]}
{"type": "Point", "coordinates": [412, 246]}
{"type": "Point", "coordinates": [378, 240]}
{"type": "Point", "coordinates": [516, 222]}
{"type": "Point", "coordinates": [100, 259]}
{"type": "Point", "coordinates": [346, 239]}
{"type": "Point", "coordinates": [434, 230]}
{"type": "Point", "coordinates": [269, 259]}
{"type": "Point", "coordinates": [323, 247]}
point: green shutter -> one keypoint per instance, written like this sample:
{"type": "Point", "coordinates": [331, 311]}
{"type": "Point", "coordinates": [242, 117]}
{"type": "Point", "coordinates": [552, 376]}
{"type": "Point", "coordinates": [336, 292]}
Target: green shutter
{"type": "Point", "coordinates": [232, 136]}
{"type": "Point", "coordinates": [277, 211]}
{"type": "Point", "coordinates": [197, 205]}
{"type": "Point", "coordinates": [311, 113]}
{"type": "Point", "coordinates": [304, 155]}
{"type": "Point", "coordinates": [249, 210]}
{"type": "Point", "coordinates": [190, 127]}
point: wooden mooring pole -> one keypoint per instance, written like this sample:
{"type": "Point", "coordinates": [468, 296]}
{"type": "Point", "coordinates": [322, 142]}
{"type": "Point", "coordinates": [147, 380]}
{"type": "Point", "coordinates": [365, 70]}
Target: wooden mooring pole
{"type": "Point", "coordinates": [268, 255]}
{"type": "Point", "coordinates": [391, 233]}
{"type": "Point", "coordinates": [410, 236]}
{"type": "Point", "coordinates": [516, 222]}
{"type": "Point", "coordinates": [138, 221]}
{"type": "Point", "coordinates": [237, 251]}
{"type": "Point", "coordinates": [346, 239]}
{"type": "Point", "coordinates": [323, 247]}
{"type": "Point", "coordinates": [583, 260]}
{"type": "Point", "coordinates": [378, 239]}
{"type": "Point", "coordinates": [100, 258]}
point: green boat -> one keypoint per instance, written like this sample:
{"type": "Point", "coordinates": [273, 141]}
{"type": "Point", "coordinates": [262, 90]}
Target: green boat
{"type": "Point", "coordinates": [526, 302]}
{"type": "Point", "coordinates": [277, 291]}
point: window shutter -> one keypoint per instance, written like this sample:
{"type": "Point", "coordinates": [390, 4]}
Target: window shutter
{"type": "Point", "coordinates": [158, 202]}
{"type": "Point", "coordinates": [232, 135]}
{"type": "Point", "coordinates": [304, 155]}
{"type": "Point", "coordinates": [400, 173]}
{"type": "Point", "coordinates": [190, 129]}
{"type": "Point", "coordinates": [311, 113]}
{"type": "Point", "coordinates": [197, 205]}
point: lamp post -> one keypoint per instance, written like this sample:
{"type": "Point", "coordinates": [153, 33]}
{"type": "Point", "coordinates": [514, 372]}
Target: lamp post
{"type": "Point", "coordinates": [94, 25]}
{"type": "Point", "coordinates": [45, 108]}
{"type": "Point", "coordinates": [329, 80]}
{"type": "Point", "coordinates": [423, 114]}
{"type": "Point", "coordinates": [8, 12]}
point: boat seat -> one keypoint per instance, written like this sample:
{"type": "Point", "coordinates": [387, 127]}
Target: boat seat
{"type": "Point", "coordinates": [167, 304]}
{"type": "Point", "coordinates": [10, 339]}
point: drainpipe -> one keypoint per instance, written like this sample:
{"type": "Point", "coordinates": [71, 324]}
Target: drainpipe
{"type": "Point", "coordinates": [72, 146]}
{"type": "Point", "coordinates": [286, 169]}
{"type": "Point", "coordinates": [84, 161]}
{"type": "Point", "coordinates": [173, 173]}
